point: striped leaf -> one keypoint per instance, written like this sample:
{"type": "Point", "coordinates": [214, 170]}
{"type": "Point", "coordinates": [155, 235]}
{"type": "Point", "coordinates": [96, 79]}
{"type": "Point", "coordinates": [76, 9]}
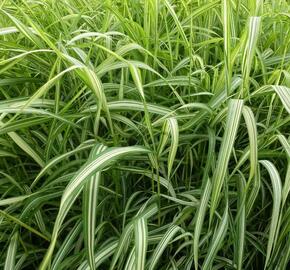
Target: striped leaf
{"type": "Point", "coordinates": [173, 127]}
{"type": "Point", "coordinates": [277, 198]}
{"type": "Point", "coordinates": [127, 232]}
{"type": "Point", "coordinates": [200, 219]}
{"type": "Point", "coordinates": [102, 255]}
{"type": "Point", "coordinates": [249, 51]}
{"type": "Point", "coordinates": [67, 246]}
{"type": "Point", "coordinates": [284, 95]}
{"type": "Point", "coordinates": [252, 131]}
{"type": "Point", "coordinates": [217, 241]}
{"type": "Point", "coordinates": [11, 253]}
{"type": "Point", "coordinates": [167, 237]}
{"type": "Point", "coordinates": [226, 11]}
{"type": "Point", "coordinates": [90, 199]}
{"type": "Point", "coordinates": [76, 184]}
{"type": "Point", "coordinates": [286, 186]}
{"type": "Point", "coordinates": [232, 124]}
{"type": "Point", "coordinates": [140, 228]}
{"type": "Point", "coordinates": [240, 223]}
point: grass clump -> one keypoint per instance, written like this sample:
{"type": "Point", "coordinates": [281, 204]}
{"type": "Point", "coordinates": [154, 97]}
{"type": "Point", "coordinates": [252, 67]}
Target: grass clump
{"type": "Point", "coordinates": [144, 134]}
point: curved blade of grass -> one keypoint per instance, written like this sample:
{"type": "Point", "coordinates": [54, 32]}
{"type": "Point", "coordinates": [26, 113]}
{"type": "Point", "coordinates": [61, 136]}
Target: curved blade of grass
{"type": "Point", "coordinates": [199, 220]}
{"type": "Point", "coordinates": [163, 137]}
{"type": "Point", "coordinates": [232, 124]}
{"type": "Point", "coordinates": [101, 255]}
{"type": "Point", "coordinates": [253, 192]}
{"type": "Point", "coordinates": [11, 253]}
{"type": "Point", "coordinates": [130, 264]}
{"type": "Point", "coordinates": [96, 35]}
{"type": "Point", "coordinates": [277, 197]}
{"type": "Point", "coordinates": [90, 199]}
{"type": "Point", "coordinates": [136, 75]}
{"type": "Point", "coordinates": [173, 126]}
{"type": "Point", "coordinates": [286, 186]}
{"type": "Point", "coordinates": [252, 131]}
{"type": "Point", "coordinates": [25, 147]}
{"type": "Point", "coordinates": [178, 24]}
{"type": "Point", "coordinates": [76, 184]}
{"type": "Point", "coordinates": [141, 234]}
{"type": "Point", "coordinates": [20, 262]}
{"type": "Point", "coordinates": [217, 241]}
{"type": "Point", "coordinates": [226, 11]}
{"type": "Point", "coordinates": [284, 95]}
{"type": "Point", "coordinates": [167, 237]}
{"type": "Point", "coordinates": [137, 106]}
{"type": "Point", "coordinates": [127, 232]}
{"type": "Point", "coordinates": [249, 51]}
{"type": "Point", "coordinates": [66, 246]}
{"type": "Point", "coordinates": [241, 223]}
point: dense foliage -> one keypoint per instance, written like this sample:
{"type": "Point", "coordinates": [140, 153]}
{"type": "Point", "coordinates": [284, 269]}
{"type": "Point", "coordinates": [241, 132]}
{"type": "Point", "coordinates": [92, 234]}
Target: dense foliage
{"type": "Point", "coordinates": [151, 134]}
